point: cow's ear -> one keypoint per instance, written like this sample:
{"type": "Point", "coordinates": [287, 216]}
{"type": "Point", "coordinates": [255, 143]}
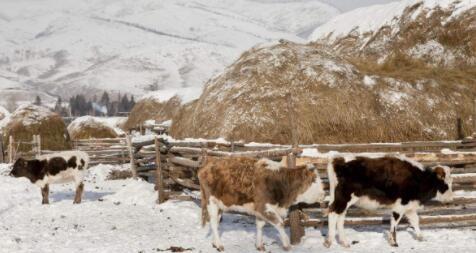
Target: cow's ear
{"type": "Point", "coordinates": [440, 173]}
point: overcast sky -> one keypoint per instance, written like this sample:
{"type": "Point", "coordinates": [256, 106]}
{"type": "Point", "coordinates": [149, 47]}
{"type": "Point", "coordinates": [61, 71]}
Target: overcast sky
{"type": "Point", "coordinates": [346, 5]}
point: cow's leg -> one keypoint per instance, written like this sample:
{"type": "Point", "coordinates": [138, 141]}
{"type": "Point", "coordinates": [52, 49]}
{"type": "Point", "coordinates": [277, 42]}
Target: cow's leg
{"type": "Point", "coordinates": [337, 213]}
{"type": "Point", "coordinates": [213, 211]}
{"type": "Point", "coordinates": [394, 220]}
{"type": "Point", "coordinates": [259, 234]}
{"type": "Point", "coordinates": [272, 216]}
{"type": "Point", "coordinates": [340, 223]}
{"type": "Point", "coordinates": [45, 191]}
{"type": "Point", "coordinates": [78, 180]}
{"type": "Point", "coordinates": [79, 193]}
{"type": "Point", "coordinates": [414, 221]}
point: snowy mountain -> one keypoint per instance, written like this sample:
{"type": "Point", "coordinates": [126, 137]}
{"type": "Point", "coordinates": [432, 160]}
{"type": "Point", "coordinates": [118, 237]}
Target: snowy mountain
{"type": "Point", "coordinates": [64, 47]}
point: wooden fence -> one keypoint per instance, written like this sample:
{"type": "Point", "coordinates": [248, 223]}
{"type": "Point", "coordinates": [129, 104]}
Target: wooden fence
{"type": "Point", "coordinates": [179, 161]}
{"type": "Point", "coordinates": [106, 150]}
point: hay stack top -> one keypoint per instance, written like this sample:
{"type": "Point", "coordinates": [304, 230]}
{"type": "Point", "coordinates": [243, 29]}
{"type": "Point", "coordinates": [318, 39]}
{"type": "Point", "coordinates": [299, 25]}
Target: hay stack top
{"type": "Point", "coordinates": [29, 120]}
{"type": "Point", "coordinates": [3, 113]}
{"type": "Point", "coordinates": [96, 127]}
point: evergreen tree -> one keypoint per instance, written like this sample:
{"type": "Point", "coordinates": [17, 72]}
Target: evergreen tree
{"type": "Point", "coordinates": [105, 99]}
{"type": "Point", "coordinates": [131, 104]}
{"type": "Point", "coordinates": [37, 101]}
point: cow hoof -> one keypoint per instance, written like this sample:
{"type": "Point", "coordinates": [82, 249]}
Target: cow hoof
{"type": "Point", "coordinates": [45, 203]}
{"type": "Point", "coordinates": [76, 202]}
{"type": "Point", "coordinates": [287, 248]}
{"type": "Point", "coordinates": [327, 243]}
{"type": "Point", "coordinates": [219, 248]}
{"type": "Point", "coordinates": [344, 243]}
{"type": "Point", "coordinates": [419, 238]}
{"type": "Point", "coordinates": [260, 248]}
{"type": "Point", "coordinates": [394, 244]}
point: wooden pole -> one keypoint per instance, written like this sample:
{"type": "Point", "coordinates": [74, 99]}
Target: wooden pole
{"type": "Point", "coordinates": [38, 143]}
{"type": "Point", "coordinates": [10, 149]}
{"type": "Point", "coordinates": [2, 153]}
{"type": "Point", "coordinates": [131, 155]}
{"type": "Point", "coordinates": [159, 180]}
{"type": "Point", "coordinates": [296, 227]}
{"type": "Point", "coordinates": [459, 129]}
{"type": "Point", "coordinates": [474, 117]}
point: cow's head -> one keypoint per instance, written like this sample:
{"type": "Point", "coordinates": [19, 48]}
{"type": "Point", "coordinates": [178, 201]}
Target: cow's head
{"type": "Point", "coordinates": [31, 169]}
{"type": "Point", "coordinates": [444, 183]}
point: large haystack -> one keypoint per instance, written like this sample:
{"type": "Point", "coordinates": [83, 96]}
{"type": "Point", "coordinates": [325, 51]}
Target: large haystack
{"type": "Point", "coordinates": [152, 109]}
{"type": "Point", "coordinates": [29, 120]}
{"type": "Point", "coordinates": [334, 99]}
{"type": "Point", "coordinates": [87, 127]}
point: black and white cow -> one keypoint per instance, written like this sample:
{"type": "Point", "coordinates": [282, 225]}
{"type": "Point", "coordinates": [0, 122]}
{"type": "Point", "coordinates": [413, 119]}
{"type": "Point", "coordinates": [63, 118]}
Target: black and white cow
{"type": "Point", "coordinates": [62, 167]}
{"type": "Point", "coordinates": [394, 182]}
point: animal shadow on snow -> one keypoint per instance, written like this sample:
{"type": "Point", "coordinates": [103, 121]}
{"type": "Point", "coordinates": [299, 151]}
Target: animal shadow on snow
{"type": "Point", "coordinates": [232, 222]}
{"type": "Point", "coordinates": [59, 195]}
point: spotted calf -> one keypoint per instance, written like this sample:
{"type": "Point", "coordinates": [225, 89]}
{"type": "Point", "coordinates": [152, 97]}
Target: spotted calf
{"type": "Point", "coordinates": [62, 167]}
{"type": "Point", "coordinates": [261, 188]}
{"type": "Point", "coordinates": [394, 182]}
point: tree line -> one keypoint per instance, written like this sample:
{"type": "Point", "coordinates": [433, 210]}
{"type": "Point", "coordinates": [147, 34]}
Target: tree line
{"type": "Point", "coordinates": [105, 106]}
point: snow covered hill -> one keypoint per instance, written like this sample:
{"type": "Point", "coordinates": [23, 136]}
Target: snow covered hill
{"type": "Point", "coordinates": [67, 46]}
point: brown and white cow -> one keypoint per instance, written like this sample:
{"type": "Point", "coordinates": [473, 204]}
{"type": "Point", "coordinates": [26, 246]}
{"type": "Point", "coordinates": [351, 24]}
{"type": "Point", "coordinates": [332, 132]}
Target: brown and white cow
{"type": "Point", "coordinates": [394, 182]}
{"type": "Point", "coordinates": [61, 167]}
{"type": "Point", "coordinates": [261, 188]}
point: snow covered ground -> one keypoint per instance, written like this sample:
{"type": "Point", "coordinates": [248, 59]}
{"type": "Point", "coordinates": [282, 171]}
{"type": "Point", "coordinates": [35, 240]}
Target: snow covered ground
{"type": "Point", "coordinates": [121, 216]}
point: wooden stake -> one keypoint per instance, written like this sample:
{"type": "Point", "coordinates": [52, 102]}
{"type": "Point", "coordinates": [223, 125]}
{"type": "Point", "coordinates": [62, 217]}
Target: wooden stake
{"type": "Point", "coordinates": [2, 153]}
{"type": "Point", "coordinates": [38, 143]}
{"type": "Point", "coordinates": [131, 155]}
{"type": "Point", "coordinates": [10, 149]}
{"type": "Point", "coordinates": [297, 230]}
{"type": "Point", "coordinates": [474, 117]}
{"type": "Point", "coordinates": [159, 181]}
{"type": "Point", "coordinates": [459, 129]}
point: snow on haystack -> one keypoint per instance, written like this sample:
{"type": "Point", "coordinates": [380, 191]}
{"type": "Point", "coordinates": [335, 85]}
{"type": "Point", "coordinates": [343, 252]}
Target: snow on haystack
{"type": "Point", "coordinates": [96, 127]}
{"type": "Point", "coordinates": [439, 32]}
{"type": "Point", "coordinates": [29, 120]}
{"type": "Point", "coordinates": [333, 100]}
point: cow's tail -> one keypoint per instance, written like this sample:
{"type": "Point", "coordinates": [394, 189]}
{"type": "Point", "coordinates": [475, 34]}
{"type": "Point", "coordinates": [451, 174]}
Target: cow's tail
{"type": "Point", "coordinates": [334, 160]}
{"type": "Point", "coordinates": [204, 204]}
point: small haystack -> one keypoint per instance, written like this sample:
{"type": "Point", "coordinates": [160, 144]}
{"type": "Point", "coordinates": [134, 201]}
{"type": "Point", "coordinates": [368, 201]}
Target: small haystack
{"type": "Point", "coordinates": [29, 120]}
{"type": "Point", "coordinates": [152, 109]}
{"type": "Point", "coordinates": [87, 127]}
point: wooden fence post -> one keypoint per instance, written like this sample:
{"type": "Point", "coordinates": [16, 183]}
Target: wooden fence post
{"type": "Point", "coordinates": [10, 149]}
{"type": "Point", "coordinates": [296, 227]}
{"type": "Point", "coordinates": [2, 153]}
{"type": "Point", "coordinates": [38, 145]}
{"type": "Point", "coordinates": [474, 117]}
{"type": "Point", "coordinates": [459, 129]}
{"type": "Point", "coordinates": [159, 180]}
{"type": "Point", "coordinates": [131, 155]}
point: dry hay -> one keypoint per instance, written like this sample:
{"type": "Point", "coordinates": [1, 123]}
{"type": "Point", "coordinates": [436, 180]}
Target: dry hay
{"type": "Point", "coordinates": [119, 175]}
{"type": "Point", "coordinates": [335, 99]}
{"type": "Point", "coordinates": [31, 120]}
{"type": "Point", "coordinates": [3, 112]}
{"type": "Point", "coordinates": [88, 127]}
{"type": "Point", "coordinates": [152, 109]}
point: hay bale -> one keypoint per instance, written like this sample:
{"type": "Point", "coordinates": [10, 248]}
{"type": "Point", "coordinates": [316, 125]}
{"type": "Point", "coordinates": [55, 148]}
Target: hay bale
{"type": "Point", "coordinates": [152, 109]}
{"type": "Point", "coordinates": [335, 100]}
{"type": "Point", "coordinates": [87, 127]}
{"type": "Point", "coordinates": [29, 120]}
